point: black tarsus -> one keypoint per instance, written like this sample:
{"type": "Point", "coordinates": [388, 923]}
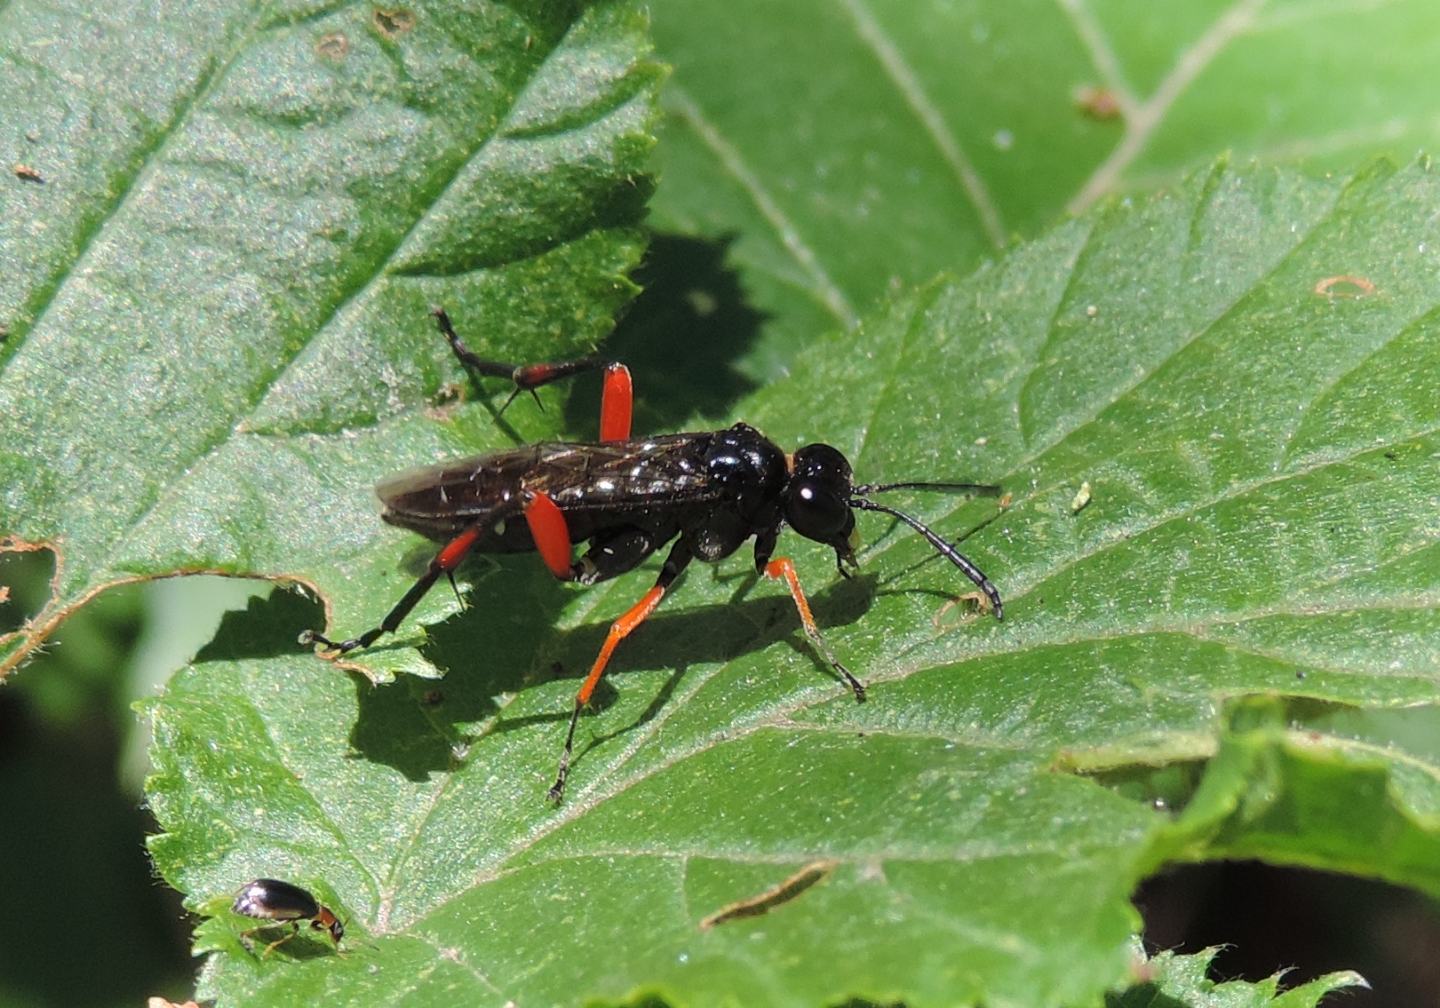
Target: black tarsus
{"type": "Point", "coordinates": [393, 618]}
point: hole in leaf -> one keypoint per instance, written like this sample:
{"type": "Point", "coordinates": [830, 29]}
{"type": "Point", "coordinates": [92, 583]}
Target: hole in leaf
{"type": "Point", "coordinates": [393, 23]}
{"type": "Point", "coordinates": [334, 46]}
{"type": "Point", "coordinates": [25, 577]}
{"type": "Point", "coordinates": [73, 829]}
{"type": "Point", "coordinates": [1270, 919]}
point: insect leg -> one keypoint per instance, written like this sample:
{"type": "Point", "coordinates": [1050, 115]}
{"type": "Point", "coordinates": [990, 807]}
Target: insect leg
{"type": "Point", "coordinates": [610, 554]}
{"type": "Point", "coordinates": [251, 932]}
{"type": "Point", "coordinates": [616, 402]}
{"type": "Point", "coordinates": [294, 930]}
{"type": "Point", "coordinates": [444, 562]}
{"type": "Point", "coordinates": [680, 555]}
{"type": "Point", "coordinates": [781, 567]}
{"type": "Point", "coordinates": [551, 535]}
{"type": "Point", "coordinates": [526, 377]}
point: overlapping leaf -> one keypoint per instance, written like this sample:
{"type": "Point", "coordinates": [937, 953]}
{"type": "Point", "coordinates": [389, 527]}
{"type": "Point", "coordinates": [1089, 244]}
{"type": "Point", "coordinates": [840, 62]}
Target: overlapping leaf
{"type": "Point", "coordinates": [1181, 980]}
{"type": "Point", "coordinates": [867, 143]}
{"type": "Point", "coordinates": [1258, 557]}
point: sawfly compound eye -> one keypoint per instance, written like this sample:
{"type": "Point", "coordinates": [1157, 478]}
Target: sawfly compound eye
{"type": "Point", "coordinates": [815, 512]}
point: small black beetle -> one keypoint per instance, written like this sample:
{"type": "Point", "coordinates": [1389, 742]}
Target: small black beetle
{"type": "Point", "coordinates": [273, 900]}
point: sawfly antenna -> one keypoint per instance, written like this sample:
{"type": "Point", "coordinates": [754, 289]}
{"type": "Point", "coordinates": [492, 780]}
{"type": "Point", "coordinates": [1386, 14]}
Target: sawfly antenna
{"type": "Point", "coordinates": [942, 546]}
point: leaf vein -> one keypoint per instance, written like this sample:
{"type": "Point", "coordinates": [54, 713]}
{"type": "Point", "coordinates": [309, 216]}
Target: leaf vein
{"type": "Point", "coordinates": [652, 728]}
{"type": "Point", "coordinates": [1149, 115]}
{"type": "Point", "coordinates": [1097, 46]}
{"type": "Point", "coordinates": [896, 362]}
{"type": "Point", "coordinates": [907, 83]}
{"type": "Point", "coordinates": [277, 374]}
{"type": "Point", "coordinates": [128, 180]}
{"type": "Point", "coordinates": [1022, 415]}
{"type": "Point", "coordinates": [323, 816]}
{"type": "Point", "coordinates": [830, 294]}
{"type": "Point", "coordinates": [431, 804]}
{"type": "Point", "coordinates": [448, 955]}
{"type": "Point", "coordinates": [1078, 424]}
{"type": "Point", "coordinates": [1205, 634]}
{"type": "Point", "coordinates": [1189, 628]}
{"type": "Point", "coordinates": [1158, 520]}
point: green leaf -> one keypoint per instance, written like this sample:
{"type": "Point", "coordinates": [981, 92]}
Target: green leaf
{"type": "Point", "coordinates": [1181, 981]}
{"type": "Point", "coordinates": [1302, 783]}
{"type": "Point", "coordinates": [244, 219]}
{"type": "Point", "coordinates": [909, 138]}
{"type": "Point", "coordinates": [1258, 557]}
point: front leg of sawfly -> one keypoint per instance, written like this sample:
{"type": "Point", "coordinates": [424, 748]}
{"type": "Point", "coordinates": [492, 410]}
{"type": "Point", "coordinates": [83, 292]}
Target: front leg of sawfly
{"type": "Point", "coordinates": [444, 562]}
{"type": "Point", "coordinates": [623, 627]}
{"type": "Point", "coordinates": [782, 569]}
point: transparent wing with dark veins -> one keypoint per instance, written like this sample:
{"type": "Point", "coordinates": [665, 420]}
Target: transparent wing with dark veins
{"type": "Point", "coordinates": [651, 475]}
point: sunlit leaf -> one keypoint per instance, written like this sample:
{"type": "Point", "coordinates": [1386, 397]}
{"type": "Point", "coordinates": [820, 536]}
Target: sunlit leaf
{"type": "Point", "coordinates": [1257, 558]}
{"type": "Point", "coordinates": [237, 241]}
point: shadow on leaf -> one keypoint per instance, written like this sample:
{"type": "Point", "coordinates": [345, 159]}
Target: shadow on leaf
{"type": "Point", "coordinates": [1144, 996]}
{"type": "Point", "coordinates": [680, 339]}
{"type": "Point", "coordinates": [268, 627]}
{"type": "Point", "coordinates": [421, 727]}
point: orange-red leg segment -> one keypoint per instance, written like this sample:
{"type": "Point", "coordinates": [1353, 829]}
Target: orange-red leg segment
{"type": "Point", "coordinates": [619, 630]}
{"type": "Point", "coordinates": [551, 535]}
{"type": "Point", "coordinates": [679, 557]}
{"type": "Point", "coordinates": [444, 562]}
{"type": "Point", "coordinates": [782, 568]}
{"type": "Point", "coordinates": [616, 404]}
{"type": "Point", "coordinates": [449, 558]}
